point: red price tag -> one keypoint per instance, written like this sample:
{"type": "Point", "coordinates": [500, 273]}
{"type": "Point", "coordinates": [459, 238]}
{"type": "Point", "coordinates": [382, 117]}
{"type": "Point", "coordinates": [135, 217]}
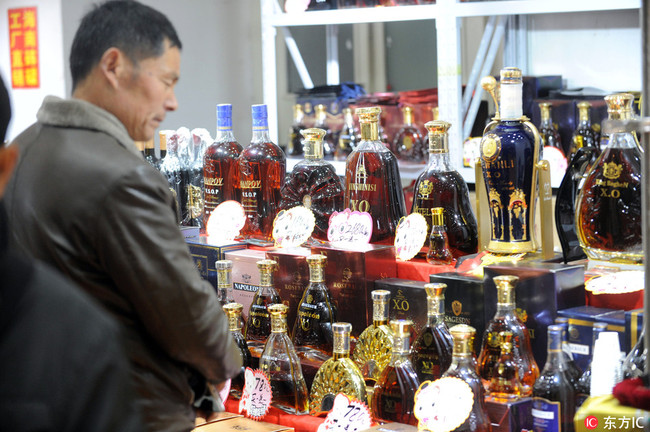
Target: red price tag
{"type": "Point", "coordinates": [256, 398]}
{"type": "Point", "coordinates": [347, 415]}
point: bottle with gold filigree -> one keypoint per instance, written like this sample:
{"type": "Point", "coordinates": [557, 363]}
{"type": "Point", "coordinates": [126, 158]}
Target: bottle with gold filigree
{"type": "Point", "coordinates": [608, 208]}
{"type": "Point", "coordinates": [439, 252]}
{"type": "Point", "coordinates": [258, 325]}
{"type": "Point", "coordinates": [233, 312]}
{"type": "Point", "coordinates": [408, 144]}
{"type": "Point", "coordinates": [505, 384]}
{"type": "Point", "coordinates": [373, 349]}
{"type": "Point", "coordinates": [282, 366]}
{"type": "Point", "coordinates": [339, 374]}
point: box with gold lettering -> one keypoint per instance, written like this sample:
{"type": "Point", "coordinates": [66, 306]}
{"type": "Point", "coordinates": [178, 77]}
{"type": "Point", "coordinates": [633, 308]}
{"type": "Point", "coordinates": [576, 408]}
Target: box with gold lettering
{"type": "Point", "coordinates": [350, 275]}
{"type": "Point", "coordinates": [408, 300]}
{"type": "Point", "coordinates": [205, 254]}
{"type": "Point", "coordinates": [245, 276]}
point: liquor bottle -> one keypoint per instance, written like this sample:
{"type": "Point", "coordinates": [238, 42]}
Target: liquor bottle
{"type": "Point", "coordinates": [408, 144]}
{"type": "Point", "coordinates": [312, 331]}
{"type": "Point", "coordinates": [608, 208]}
{"type": "Point", "coordinates": [553, 394]}
{"type": "Point", "coordinates": [393, 397]}
{"type": "Point", "coordinates": [510, 150]}
{"type": "Point", "coordinates": [261, 171]}
{"type": "Point", "coordinates": [233, 312]}
{"type": "Point", "coordinates": [258, 325]}
{"type": "Point", "coordinates": [634, 365]}
{"type": "Point", "coordinates": [584, 135]}
{"type": "Point", "coordinates": [224, 281]}
{"type": "Point", "coordinates": [139, 145]}
{"type": "Point", "coordinates": [313, 183]}
{"type": "Point", "coordinates": [439, 252]}
{"type": "Point", "coordinates": [150, 153]}
{"type": "Point", "coordinates": [573, 371]}
{"type": "Point", "coordinates": [374, 346]}
{"type": "Point", "coordinates": [170, 168]}
{"type": "Point", "coordinates": [431, 352]}
{"type": "Point", "coordinates": [295, 139]}
{"type": "Point", "coordinates": [220, 163]}
{"type": "Point", "coordinates": [348, 137]}
{"type": "Point", "coordinates": [198, 143]}
{"type": "Point", "coordinates": [372, 180]}
{"type": "Point", "coordinates": [584, 383]}
{"type": "Point", "coordinates": [440, 185]}
{"type": "Point", "coordinates": [548, 130]}
{"type": "Point", "coordinates": [505, 384]}
{"type": "Point", "coordinates": [506, 319]}
{"type": "Point", "coordinates": [282, 366]}
{"type": "Point", "coordinates": [463, 366]}
{"type": "Point", "coordinates": [338, 374]}
{"type": "Point", "coordinates": [330, 142]}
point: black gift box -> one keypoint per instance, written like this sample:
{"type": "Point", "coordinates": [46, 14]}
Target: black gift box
{"type": "Point", "coordinates": [206, 254]}
{"type": "Point", "coordinates": [512, 416]}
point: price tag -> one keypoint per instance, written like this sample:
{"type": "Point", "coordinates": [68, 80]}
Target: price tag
{"type": "Point", "coordinates": [352, 227]}
{"type": "Point", "coordinates": [292, 227]}
{"type": "Point", "coordinates": [257, 394]}
{"type": "Point", "coordinates": [410, 236]}
{"type": "Point", "coordinates": [346, 415]}
{"type": "Point", "coordinates": [225, 222]}
{"type": "Point", "coordinates": [443, 405]}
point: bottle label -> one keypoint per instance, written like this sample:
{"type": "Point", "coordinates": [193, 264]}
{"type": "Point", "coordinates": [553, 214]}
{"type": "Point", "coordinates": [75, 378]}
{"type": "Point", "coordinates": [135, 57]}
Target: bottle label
{"type": "Point", "coordinates": [346, 414]}
{"type": "Point", "coordinates": [546, 415]}
{"type": "Point", "coordinates": [225, 222]}
{"type": "Point", "coordinates": [292, 227]}
{"type": "Point", "coordinates": [443, 404]}
{"type": "Point", "coordinates": [257, 394]}
{"type": "Point", "coordinates": [410, 236]}
{"type": "Point", "coordinates": [351, 227]}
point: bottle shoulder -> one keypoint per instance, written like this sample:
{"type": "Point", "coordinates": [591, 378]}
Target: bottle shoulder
{"type": "Point", "coordinates": [263, 150]}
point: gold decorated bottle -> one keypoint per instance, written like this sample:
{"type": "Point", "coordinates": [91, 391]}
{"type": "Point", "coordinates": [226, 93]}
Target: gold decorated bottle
{"type": "Point", "coordinates": [374, 346]}
{"type": "Point", "coordinates": [282, 366]}
{"type": "Point", "coordinates": [258, 325]}
{"type": "Point", "coordinates": [339, 374]}
{"type": "Point", "coordinates": [505, 384]}
{"type": "Point", "coordinates": [408, 144]}
{"type": "Point", "coordinates": [439, 252]}
{"type": "Point", "coordinates": [233, 312]}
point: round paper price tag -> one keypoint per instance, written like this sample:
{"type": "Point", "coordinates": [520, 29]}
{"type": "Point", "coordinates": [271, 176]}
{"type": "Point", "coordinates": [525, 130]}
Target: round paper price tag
{"type": "Point", "coordinates": [346, 415]}
{"type": "Point", "coordinates": [257, 394]}
{"type": "Point", "coordinates": [225, 222]}
{"type": "Point", "coordinates": [443, 405]}
{"type": "Point", "coordinates": [410, 236]}
{"type": "Point", "coordinates": [292, 227]}
{"type": "Point", "coordinates": [350, 227]}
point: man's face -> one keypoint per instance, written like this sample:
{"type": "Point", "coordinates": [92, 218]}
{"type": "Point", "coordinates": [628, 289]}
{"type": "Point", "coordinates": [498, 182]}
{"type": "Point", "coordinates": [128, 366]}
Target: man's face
{"type": "Point", "coordinates": [148, 93]}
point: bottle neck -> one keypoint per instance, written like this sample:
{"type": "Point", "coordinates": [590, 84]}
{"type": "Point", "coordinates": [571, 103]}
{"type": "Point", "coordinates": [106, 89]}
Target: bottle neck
{"type": "Point", "coordinates": [369, 131]}
{"type": "Point", "coordinates": [505, 308]}
{"type": "Point", "coordinates": [225, 135]}
{"type": "Point", "coordinates": [349, 120]}
{"type": "Point", "coordinates": [313, 150]}
{"type": "Point", "coordinates": [278, 323]}
{"type": "Point", "coordinates": [439, 161]}
{"type": "Point", "coordinates": [266, 280]}
{"type": "Point", "coordinates": [583, 117]}
{"type": "Point", "coordinates": [462, 353]}
{"type": "Point", "coordinates": [341, 346]}
{"type": "Point", "coordinates": [379, 313]}
{"type": "Point", "coordinates": [260, 130]}
{"type": "Point", "coordinates": [435, 310]}
{"type": "Point", "coordinates": [511, 101]}
{"type": "Point", "coordinates": [401, 347]}
{"type": "Point", "coordinates": [555, 356]}
{"type": "Point", "coordinates": [316, 274]}
{"type": "Point", "coordinates": [234, 323]}
{"type": "Point", "coordinates": [408, 118]}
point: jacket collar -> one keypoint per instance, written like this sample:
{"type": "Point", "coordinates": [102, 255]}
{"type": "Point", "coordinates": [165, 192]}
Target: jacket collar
{"type": "Point", "coordinates": [76, 113]}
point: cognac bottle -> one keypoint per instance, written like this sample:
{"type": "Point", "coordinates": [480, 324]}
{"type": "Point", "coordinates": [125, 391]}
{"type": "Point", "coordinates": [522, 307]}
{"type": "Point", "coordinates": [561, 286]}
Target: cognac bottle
{"type": "Point", "coordinates": [408, 144]}
{"type": "Point", "coordinates": [331, 138]}
{"type": "Point", "coordinates": [220, 163]}
{"type": "Point", "coordinates": [348, 137]}
{"type": "Point", "coordinates": [374, 346]}
{"type": "Point", "coordinates": [510, 150]}
{"type": "Point", "coordinates": [312, 331]}
{"type": "Point", "coordinates": [584, 135]}
{"type": "Point", "coordinates": [338, 374]}
{"type": "Point", "coordinates": [440, 185]}
{"type": "Point", "coordinates": [258, 325]}
{"type": "Point", "coordinates": [171, 168]}
{"type": "Point", "coordinates": [548, 130]}
{"type": "Point", "coordinates": [295, 139]}
{"type": "Point", "coordinates": [313, 183]}
{"type": "Point", "coordinates": [463, 367]}
{"type": "Point", "coordinates": [553, 394]}
{"type": "Point", "coordinates": [573, 371]}
{"type": "Point", "coordinates": [233, 312]}
{"type": "Point", "coordinates": [505, 319]}
{"type": "Point", "coordinates": [439, 252]}
{"type": "Point", "coordinates": [583, 387]}
{"type": "Point", "coordinates": [224, 281]}
{"type": "Point", "coordinates": [372, 180]}
{"type": "Point", "coordinates": [150, 153]}
{"type": "Point", "coordinates": [261, 171]}
{"type": "Point", "coordinates": [505, 384]}
{"type": "Point", "coordinates": [608, 208]}
{"type": "Point", "coordinates": [393, 398]}
{"type": "Point", "coordinates": [282, 366]}
{"type": "Point", "coordinates": [432, 349]}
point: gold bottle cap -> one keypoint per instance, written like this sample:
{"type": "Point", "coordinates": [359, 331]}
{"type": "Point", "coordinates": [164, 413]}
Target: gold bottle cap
{"type": "Point", "coordinates": [619, 106]}
{"type": "Point", "coordinates": [435, 298]}
{"type": "Point", "coordinates": [583, 111]}
{"type": "Point", "coordinates": [463, 336]}
{"type": "Point", "coordinates": [341, 331]}
{"type": "Point", "coordinates": [297, 110]}
{"type": "Point", "coordinates": [233, 312]}
{"type": "Point", "coordinates": [380, 299]}
{"type": "Point", "coordinates": [316, 264]}
{"type": "Point", "coordinates": [224, 273]}
{"type": "Point", "coordinates": [278, 313]}
{"type": "Point", "coordinates": [505, 288]}
{"type": "Point", "coordinates": [583, 105]}
{"type": "Point", "coordinates": [407, 113]}
{"type": "Point", "coordinates": [266, 268]}
{"type": "Point", "coordinates": [163, 138]}
{"type": "Point", "coordinates": [368, 114]}
{"type": "Point", "coordinates": [438, 216]}
{"type": "Point", "coordinates": [313, 142]}
{"type": "Point", "coordinates": [223, 265]}
{"type": "Point", "coordinates": [320, 108]}
{"type": "Point", "coordinates": [435, 111]}
{"type": "Point", "coordinates": [369, 123]}
{"type": "Point", "coordinates": [511, 75]}
{"type": "Point", "coordinates": [316, 260]}
{"type": "Point", "coordinates": [435, 290]}
{"type": "Point", "coordinates": [545, 110]}
{"type": "Point", "coordinates": [438, 136]}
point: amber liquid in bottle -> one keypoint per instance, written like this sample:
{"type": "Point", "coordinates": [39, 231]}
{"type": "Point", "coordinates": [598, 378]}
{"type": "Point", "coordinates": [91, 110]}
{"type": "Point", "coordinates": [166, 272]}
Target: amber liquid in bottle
{"type": "Point", "coordinates": [505, 384]}
{"type": "Point", "coordinates": [233, 312]}
{"type": "Point", "coordinates": [584, 135]}
{"type": "Point", "coordinates": [258, 326]}
{"type": "Point", "coordinates": [330, 142]}
{"type": "Point", "coordinates": [439, 252]}
{"type": "Point", "coordinates": [408, 144]}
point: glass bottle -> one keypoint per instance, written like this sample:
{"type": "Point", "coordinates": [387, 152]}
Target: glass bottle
{"type": "Point", "coordinates": [463, 366]}
{"type": "Point", "coordinates": [440, 185]}
{"type": "Point", "coordinates": [224, 281]}
{"type": "Point", "coordinates": [584, 135]}
{"type": "Point", "coordinates": [505, 384]}
{"type": "Point", "coordinates": [313, 183]}
{"type": "Point", "coordinates": [163, 144]}
{"type": "Point", "coordinates": [506, 319]}
{"type": "Point", "coordinates": [584, 383]}
{"type": "Point", "coordinates": [220, 163]}
{"type": "Point", "coordinates": [312, 331]}
{"type": "Point", "coordinates": [374, 346]}
{"type": "Point", "coordinates": [372, 180]}
{"type": "Point", "coordinates": [295, 139]}
{"type": "Point", "coordinates": [348, 137]}
{"type": "Point", "coordinates": [330, 142]}
{"type": "Point", "coordinates": [439, 252]}
{"type": "Point", "coordinates": [393, 398]}
{"type": "Point", "coordinates": [338, 374]}
{"type": "Point", "coordinates": [634, 365]}
{"type": "Point", "coordinates": [431, 352]}
{"type": "Point", "coordinates": [510, 151]}
{"type": "Point", "coordinates": [258, 325]}
{"type": "Point", "coordinates": [198, 143]}
{"type": "Point", "coordinates": [553, 394]}
{"type": "Point", "coordinates": [150, 153]}
{"type": "Point", "coordinates": [608, 208]}
{"type": "Point", "coordinates": [233, 312]}
{"type": "Point", "coordinates": [573, 371]}
{"type": "Point", "coordinates": [281, 364]}
{"type": "Point", "coordinates": [408, 143]}
{"type": "Point", "coordinates": [547, 129]}
{"type": "Point", "coordinates": [170, 167]}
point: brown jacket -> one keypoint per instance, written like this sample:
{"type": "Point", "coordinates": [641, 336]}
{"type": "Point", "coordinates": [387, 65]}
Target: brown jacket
{"type": "Point", "coordinates": [84, 200]}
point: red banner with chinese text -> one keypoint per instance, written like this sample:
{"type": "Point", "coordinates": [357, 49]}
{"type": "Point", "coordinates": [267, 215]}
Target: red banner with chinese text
{"type": "Point", "coordinates": [23, 48]}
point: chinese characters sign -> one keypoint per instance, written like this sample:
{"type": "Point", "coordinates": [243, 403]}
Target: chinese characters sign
{"type": "Point", "coordinates": [23, 48]}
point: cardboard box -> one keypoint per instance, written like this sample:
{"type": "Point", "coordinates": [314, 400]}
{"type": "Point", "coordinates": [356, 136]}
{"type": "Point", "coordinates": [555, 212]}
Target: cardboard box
{"type": "Point", "coordinates": [408, 300]}
{"type": "Point", "coordinates": [205, 254]}
{"type": "Point", "coordinates": [510, 416]}
{"type": "Point", "coordinates": [245, 276]}
{"type": "Point", "coordinates": [239, 424]}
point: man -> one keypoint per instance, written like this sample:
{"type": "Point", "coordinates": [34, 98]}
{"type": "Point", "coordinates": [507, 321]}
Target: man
{"type": "Point", "coordinates": [84, 200]}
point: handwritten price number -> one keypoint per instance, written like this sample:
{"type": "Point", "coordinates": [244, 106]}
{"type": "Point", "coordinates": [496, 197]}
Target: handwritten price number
{"type": "Point", "coordinates": [293, 227]}
{"type": "Point", "coordinates": [346, 415]}
{"type": "Point", "coordinates": [350, 227]}
{"type": "Point", "coordinates": [257, 394]}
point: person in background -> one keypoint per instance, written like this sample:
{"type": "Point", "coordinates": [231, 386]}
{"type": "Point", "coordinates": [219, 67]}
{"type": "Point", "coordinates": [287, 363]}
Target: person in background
{"type": "Point", "coordinates": [84, 200]}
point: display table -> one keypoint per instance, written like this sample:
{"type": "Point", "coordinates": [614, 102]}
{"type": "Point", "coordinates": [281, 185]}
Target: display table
{"type": "Point", "coordinates": [301, 423]}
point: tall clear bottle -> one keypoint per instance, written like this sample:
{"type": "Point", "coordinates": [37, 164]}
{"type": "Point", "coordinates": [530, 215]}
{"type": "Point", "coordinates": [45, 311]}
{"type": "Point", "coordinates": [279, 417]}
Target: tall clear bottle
{"type": "Point", "coordinates": [258, 325]}
{"type": "Point", "coordinates": [608, 208]}
{"type": "Point", "coordinates": [281, 364]}
{"type": "Point", "coordinates": [584, 383]}
{"type": "Point", "coordinates": [433, 346]}
{"type": "Point", "coordinates": [408, 144]}
{"type": "Point", "coordinates": [295, 139]}
{"type": "Point", "coordinates": [261, 172]}
{"type": "Point", "coordinates": [372, 180]}
{"type": "Point", "coordinates": [348, 138]}
{"type": "Point", "coordinates": [233, 312]}
{"type": "Point", "coordinates": [506, 319]}
{"type": "Point", "coordinates": [440, 185]}
{"type": "Point", "coordinates": [553, 394]}
{"type": "Point", "coordinates": [220, 164]}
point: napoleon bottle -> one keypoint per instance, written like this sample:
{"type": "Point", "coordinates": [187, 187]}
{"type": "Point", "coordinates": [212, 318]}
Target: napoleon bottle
{"type": "Point", "coordinates": [439, 252]}
{"type": "Point", "coordinates": [258, 325]}
{"type": "Point", "coordinates": [372, 180]}
{"type": "Point", "coordinates": [313, 183]}
{"type": "Point", "coordinates": [295, 139]}
{"type": "Point", "coordinates": [510, 150]}
{"type": "Point", "coordinates": [261, 171]}
{"type": "Point", "coordinates": [440, 185]}
{"type": "Point", "coordinates": [408, 144]}
{"type": "Point", "coordinates": [233, 312]}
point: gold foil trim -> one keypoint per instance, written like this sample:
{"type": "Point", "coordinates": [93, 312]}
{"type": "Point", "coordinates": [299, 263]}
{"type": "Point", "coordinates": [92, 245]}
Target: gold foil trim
{"type": "Point", "coordinates": [505, 288]}
{"type": "Point", "coordinates": [316, 267]}
{"type": "Point", "coordinates": [233, 312]}
{"type": "Point", "coordinates": [463, 336]}
{"type": "Point", "coordinates": [278, 313]}
{"type": "Point", "coordinates": [313, 142]}
{"type": "Point", "coordinates": [619, 106]}
{"type": "Point", "coordinates": [435, 298]}
{"type": "Point", "coordinates": [438, 216]}
{"type": "Point", "coordinates": [266, 268]}
{"type": "Point", "coordinates": [341, 344]}
{"type": "Point", "coordinates": [438, 136]}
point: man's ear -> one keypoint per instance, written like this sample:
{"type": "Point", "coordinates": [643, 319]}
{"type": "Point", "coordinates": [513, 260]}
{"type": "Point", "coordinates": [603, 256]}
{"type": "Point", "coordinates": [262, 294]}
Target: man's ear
{"type": "Point", "coordinates": [113, 65]}
{"type": "Point", "coordinates": [8, 159]}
